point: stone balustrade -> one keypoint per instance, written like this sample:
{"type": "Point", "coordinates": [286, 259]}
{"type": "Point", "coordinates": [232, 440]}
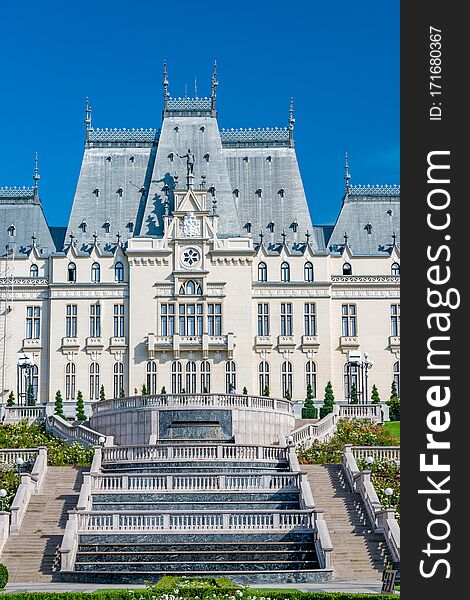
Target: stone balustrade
{"type": "Point", "coordinates": [192, 401]}
{"type": "Point", "coordinates": [361, 411]}
{"type": "Point", "coordinates": [322, 430]}
{"type": "Point", "coordinates": [8, 456]}
{"type": "Point", "coordinates": [171, 482]}
{"type": "Point", "coordinates": [15, 414]}
{"type": "Point", "coordinates": [62, 428]}
{"type": "Point", "coordinates": [390, 453]}
{"type": "Point", "coordinates": [149, 453]}
{"type": "Point", "coordinates": [170, 522]}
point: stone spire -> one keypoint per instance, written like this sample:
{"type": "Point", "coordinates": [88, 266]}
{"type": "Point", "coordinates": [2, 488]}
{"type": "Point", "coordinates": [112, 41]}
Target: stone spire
{"type": "Point", "coordinates": [291, 122]}
{"type": "Point", "coordinates": [214, 85]}
{"type": "Point", "coordinates": [347, 176]}
{"type": "Point", "coordinates": [36, 176]}
{"type": "Point", "coordinates": [87, 117]}
{"type": "Point", "coordinates": [165, 86]}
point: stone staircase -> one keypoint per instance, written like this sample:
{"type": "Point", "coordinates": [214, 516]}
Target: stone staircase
{"type": "Point", "coordinates": [32, 555]}
{"type": "Point", "coordinates": [358, 553]}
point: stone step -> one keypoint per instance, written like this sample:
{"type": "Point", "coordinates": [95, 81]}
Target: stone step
{"type": "Point", "coordinates": [188, 567]}
{"type": "Point", "coordinates": [184, 557]}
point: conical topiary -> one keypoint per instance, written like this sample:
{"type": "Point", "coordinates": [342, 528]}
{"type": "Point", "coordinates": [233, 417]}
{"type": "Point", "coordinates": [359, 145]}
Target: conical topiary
{"type": "Point", "coordinates": [80, 407]}
{"type": "Point", "coordinates": [328, 401]}
{"type": "Point", "coordinates": [11, 399]}
{"type": "Point", "coordinates": [144, 390]}
{"type": "Point", "coordinates": [394, 403]}
{"type": "Point", "coordinates": [59, 405]}
{"type": "Point", "coordinates": [309, 411]}
{"type": "Point", "coordinates": [266, 391]}
{"type": "Point", "coordinates": [163, 392]}
{"type": "Point", "coordinates": [375, 399]}
{"type": "Point", "coordinates": [353, 394]}
{"type": "Point", "coordinates": [245, 391]}
{"type": "Point", "coordinates": [102, 393]}
{"type": "Point", "coordinates": [30, 400]}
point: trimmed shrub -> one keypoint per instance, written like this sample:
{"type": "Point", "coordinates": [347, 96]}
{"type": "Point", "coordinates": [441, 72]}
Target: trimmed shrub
{"type": "Point", "coordinates": [394, 403]}
{"type": "Point", "coordinates": [245, 391]}
{"type": "Point", "coordinates": [102, 393]}
{"type": "Point", "coordinates": [375, 398]}
{"type": "Point", "coordinates": [309, 411]}
{"type": "Point", "coordinates": [353, 394]}
{"type": "Point", "coordinates": [11, 399]}
{"type": "Point", "coordinates": [328, 401]}
{"type": "Point", "coordinates": [266, 391]}
{"type": "Point", "coordinates": [58, 405]}
{"type": "Point", "coordinates": [80, 407]}
{"type": "Point", "coordinates": [163, 392]}
{"type": "Point", "coordinates": [3, 576]}
{"type": "Point", "coordinates": [30, 400]}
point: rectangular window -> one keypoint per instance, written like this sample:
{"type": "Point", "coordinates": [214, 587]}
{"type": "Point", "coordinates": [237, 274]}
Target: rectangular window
{"type": "Point", "coordinates": [191, 319]}
{"type": "Point", "coordinates": [310, 319]}
{"type": "Point", "coordinates": [33, 322]}
{"type": "Point", "coordinates": [348, 320]}
{"type": "Point", "coordinates": [214, 319]}
{"type": "Point", "coordinates": [71, 320]}
{"type": "Point", "coordinates": [263, 318]}
{"type": "Point", "coordinates": [286, 318]}
{"type": "Point", "coordinates": [395, 319]}
{"type": "Point", "coordinates": [95, 320]}
{"type": "Point", "coordinates": [118, 320]}
{"type": "Point", "coordinates": [167, 319]}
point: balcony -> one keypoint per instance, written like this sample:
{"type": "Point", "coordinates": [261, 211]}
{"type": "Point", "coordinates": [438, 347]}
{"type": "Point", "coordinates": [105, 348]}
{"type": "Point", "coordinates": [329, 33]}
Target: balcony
{"type": "Point", "coordinates": [394, 343]}
{"type": "Point", "coordinates": [310, 342]}
{"type": "Point", "coordinates": [94, 343]}
{"type": "Point", "coordinates": [70, 343]}
{"type": "Point", "coordinates": [348, 342]}
{"type": "Point", "coordinates": [118, 342]}
{"type": "Point", "coordinates": [177, 342]}
{"type": "Point", "coordinates": [263, 342]}
{"type": "Point", "coordinates": [285, 341]}
{"type": "Point", "coordinates": [31, 344]}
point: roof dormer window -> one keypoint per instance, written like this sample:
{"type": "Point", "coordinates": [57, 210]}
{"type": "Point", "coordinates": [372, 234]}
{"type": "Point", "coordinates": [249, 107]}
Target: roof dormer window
{"type": "Point", "coordinates": [11, 230]}
{"type": "Point", "coordinates": [368, 228]}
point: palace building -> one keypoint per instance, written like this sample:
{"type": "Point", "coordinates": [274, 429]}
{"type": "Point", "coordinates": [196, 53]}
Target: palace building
{"type": "Point", "coordinates": [191, 262]}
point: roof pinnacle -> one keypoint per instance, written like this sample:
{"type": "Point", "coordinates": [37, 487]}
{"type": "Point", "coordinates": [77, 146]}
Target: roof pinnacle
{"type": "Point", "coordinates": [214, 85]}
{"type": "Point", "coordinates": [291, 121]}
{"type": "Point", "coordinates": [87, 117]}
{"type": "Point", "coordinates": [36, 175]}
{"type": "Point", "coordinates": [347, 176]}
{"type": "Point", "coordinates": [165, 86]}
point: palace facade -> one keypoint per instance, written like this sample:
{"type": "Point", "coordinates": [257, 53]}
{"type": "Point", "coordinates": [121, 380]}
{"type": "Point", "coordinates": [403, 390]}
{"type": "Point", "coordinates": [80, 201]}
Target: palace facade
{"type": "Point", "coordinates": [191, 262]}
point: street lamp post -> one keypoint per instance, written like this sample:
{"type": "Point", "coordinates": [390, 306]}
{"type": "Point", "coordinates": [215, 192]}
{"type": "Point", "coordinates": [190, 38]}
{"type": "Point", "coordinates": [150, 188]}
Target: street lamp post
{"type": "Point", "coordinates": [101, 440]}
{"type": "Point", "coordinates": [19, 463]}
{"type": "Point", "coordinates": [366, 365]}
{"type": "Point", "coordinates": [370, 461]}
{"type": "Point", "coordinates": [3, 494]}
{"type": "Point", "coordinates": [388, 492]}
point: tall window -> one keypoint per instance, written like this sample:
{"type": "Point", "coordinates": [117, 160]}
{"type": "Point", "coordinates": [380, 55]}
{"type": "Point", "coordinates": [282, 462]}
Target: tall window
{"type": "Point", "coordinates": [118, 320]}
{"type": "Point", "coordinates": [152, 377]}
{"type": "Point", "coordinates": [71, 272]}
{"type": "Point", "coordinates": [286, 318]}
{"type": "Point", "coordinates": [396, 376]}
{"type": "Point", "coordinates": [351, 378]}
{"type": "Point", "coordinates": [285, 271]}
{"type": "Point", "coordinates": [263, 318]}
{"type": "Point", "coordinates": [190, 318]}
{"type": "Point", "coordinates": [286, 378]}
{"type": "Point", "coordinates": [118, 379]}
{"type": "Point", "coordinates": [70, 381]}
{"type": "Point", "coordinates": [230, 376]}
{"type": "Point", "coordinates": [205, 377]}
{"type": "Point", "coordinates": [308, 271]}
{"type": "Point", "coordinates": [71, 320]}
{"type": "Point", "coordinates": [28, 386]}
{"type": "Point", "coordinates": [347, 269]}
{"type": "Point", "coordinates": [95, 320]}
{"type": "Point", "coordinates": [214, 319]}
{"type": "Point", "coordinates": [33, 271]}
{"type": "Point", "coordinates": [190, 386]}
{"type": "Point", "coordinates": [167, 319]}
{"type": "Point", "coordinates": [395, 319]}
{"type": "Point", "coordinates": [94, 381]}
{"type": "Point", "coordinates": [262, 272]}
{"type": "Point", "coordinates": [119, 272]}
{"type": "Point", "coordinates": [176, 377]}
{"type": "Point", "coordinates": [95, 273]}
{"type": "Point", "coordinates": [395, 269]}
{"type": "Point", "coordinates": [263, 377]}
{"type": "Point", "coordinates": [310, 319]}
{"type": "Point", "coordinates": [311, 376]}
{"type": "Point", "coordinates": [33, 322]}
{"type": "Point", "coordinates": [348, 320]}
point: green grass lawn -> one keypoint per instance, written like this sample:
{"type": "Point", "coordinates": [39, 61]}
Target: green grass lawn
{"type": "Point", "coordinates": [394, 428]}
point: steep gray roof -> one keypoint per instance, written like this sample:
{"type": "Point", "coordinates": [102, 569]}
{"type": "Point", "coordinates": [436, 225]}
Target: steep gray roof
{"type": "Point", "coordinates": [370, 217]}
{"type": "Point", "coordinates": [21, 217]}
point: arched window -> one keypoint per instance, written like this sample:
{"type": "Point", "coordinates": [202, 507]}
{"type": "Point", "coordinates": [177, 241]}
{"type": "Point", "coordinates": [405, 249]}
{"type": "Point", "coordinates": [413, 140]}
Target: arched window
{"type": "Point", "coordinates": [262, 272]}
{"type": "Point", "coordinates": [118, 370]}
{"type": "Point", "coordinates": [95, 273]}
{"type": "Point", "coordinates": [119, 271]}
{"type": "Point", "coordinates": [311, 376]}
{"type": "Point", "coordinates": [286, 379]}
{"type": "Point", "coordinates": [308, 271]}
{"type": "Point", "coordinates": [11, 230]}
{"type": "Point", "coordinates": [347, 269]}
{"type": "Point", "coordinates": [205, 377]}
{"type": "Point", "coordinates": [285, 271]}
{"type": "Point", "coordinates": [151, 377]}
{"type": "Point", "coordinates": [396, 269]}
{"type": "Point", "coordinates": [263, 378]}
{"type": "Point", "coordinates": [72, 272]}
{"type": "Point", "coordinates": [176, 377]}
{"type": "Point", "coordinates": [351, 380]}
{"type": "Point", "coordinates": [33, 271]}
{"type": "Point", "coordinates": [230, 377]}
{"type": "Point", "coordinates": [190, 387]}
{"type": "Point", "coordinates": [191, 288]}
{"type": "Point", "coordinates": [106, 226]}
{"type": "Point", "coordinates": [70, 381]}
{"type": "Point", "coordinates": [94, 381]}
{"type": "Point", "coordinates": [396, 376]}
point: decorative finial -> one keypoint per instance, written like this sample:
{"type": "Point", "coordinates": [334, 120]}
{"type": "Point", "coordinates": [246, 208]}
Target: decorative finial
{"type": "Point", "coordinates": [118, 236]}
{"type": "Point", "coordinates": [261, 236]}
{"type": "Point", "coordinates": [291, 121]}
{"type": "Point", "coordinates": [214, 85]}
{"type": "Point", "coordinates": [394, 238]}
{"type": "Point", "coordinates": [165, 86]}
{"type": "Point", "coordinates": [72, 237]}
{"type": "Point", "coordinates": [87, 117]}
{"type": "Point", "coordinates": [195, 87]}
{"type": "Point", "coordinates": [283, 236]}
{"type": "Point", "coordinates": [36, 176]}
{"type": "Point", "coordinates": [345, 236]}
{"type": "Point", "coordinates": [214, 205]}
{"type": "Point", "coordinates": [347, 176]}
{"type": "Point", "coordinates": [33, 238]}
{"type": "Point", "coordinates": [307, 235]}
{"type": "Point", "coordinates": [95, 237]}
{"type": "Point", "coordinates": [167, 206]}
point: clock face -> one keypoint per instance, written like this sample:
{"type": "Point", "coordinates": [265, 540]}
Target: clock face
{"type": "Point", "coordinates": [190, 257]}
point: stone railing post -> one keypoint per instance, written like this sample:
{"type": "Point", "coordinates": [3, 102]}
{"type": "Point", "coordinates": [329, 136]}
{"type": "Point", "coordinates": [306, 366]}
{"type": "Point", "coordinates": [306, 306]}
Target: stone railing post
{"type": "Point", "coordinates": [96, 462]}
{"type": "Point", "coordinates": [4, 528]}
{"type": "Point", "coordinates": [68, 548]}
{"type": "Point", "coordinates": [381, 517]}
{"type": "Point", "coordinates": [85, 493]}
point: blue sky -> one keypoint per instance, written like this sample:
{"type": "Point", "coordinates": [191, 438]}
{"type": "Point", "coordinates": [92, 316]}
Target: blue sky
{"type": "Point", "coordinates": [339, 60]}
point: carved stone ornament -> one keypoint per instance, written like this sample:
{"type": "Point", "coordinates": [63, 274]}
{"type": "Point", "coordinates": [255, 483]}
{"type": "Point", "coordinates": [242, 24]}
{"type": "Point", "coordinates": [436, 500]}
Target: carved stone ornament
{"type": "Point", "coordinates": [190, 226]}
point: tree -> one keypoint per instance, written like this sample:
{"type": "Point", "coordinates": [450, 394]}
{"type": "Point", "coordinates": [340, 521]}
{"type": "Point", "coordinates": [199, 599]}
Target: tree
{"type": "Point", "coordinates": [144, 390]}
{"type": "Point", "coordinates": [375, 395]}
{"type": "Point", "coordinates": [122, 393]}
{"type": "Point", "coordinates": [102, 393]}
{"type": "Point", "coordinates": [328, 401]}
{"type": "Point", "coordinates": [266, 391]}
{"type": "Point", "coordinates": [163, 392]}
{"type": "Point", "coordinates": [394, 403]}
{"type": "Point", "coordinates": [204, 390]}
{"type": "Point", "coordinates": [59, 405]}
{"type": "Point", "coordinates": [309, 411]}
{"type": "Point", "coordinates": [80, 407]}
{"type": "Point", "coordinates": [245, 391]}
{"type": "Point", "coordinates": [30, 400]}
{"type": "Point", "coordinates": [353, 394]}
{"type": "Point", "coordinates": [11, 399]}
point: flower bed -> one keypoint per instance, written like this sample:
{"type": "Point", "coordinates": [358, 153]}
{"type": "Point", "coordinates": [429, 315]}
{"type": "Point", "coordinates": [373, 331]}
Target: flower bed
{"type": "Point", "coordinates": [385, 474]}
